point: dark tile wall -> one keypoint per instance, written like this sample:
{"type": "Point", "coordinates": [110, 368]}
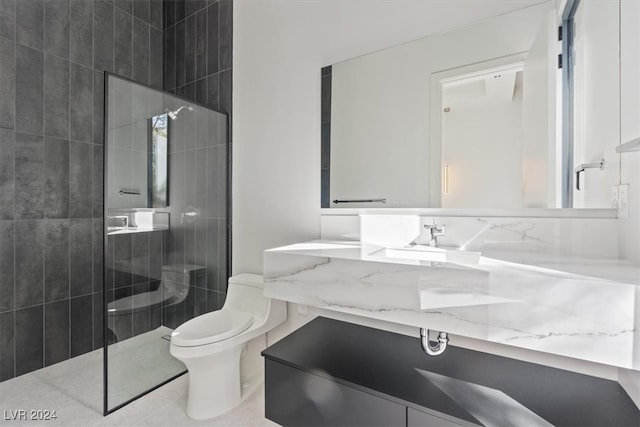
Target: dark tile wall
{"type": "Point", "coordinates": [198, 46]}
{"type": "Point", "coordinates": [52, 57]}
{"type": "Point", "coordinates": [198, 66]}
{"type": "Point", "coordinates": [197, 183]}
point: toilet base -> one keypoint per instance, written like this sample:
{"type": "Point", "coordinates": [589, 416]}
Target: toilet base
{"type": "Point", "coordinates": [214, 384]}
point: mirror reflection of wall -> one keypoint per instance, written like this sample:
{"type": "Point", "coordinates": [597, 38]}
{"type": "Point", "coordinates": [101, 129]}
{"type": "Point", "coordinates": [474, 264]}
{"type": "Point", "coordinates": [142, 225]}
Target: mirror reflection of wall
{"type": "Point", "coordinates": [630, 127]}
{"type": "Point", "coordinates": [386, 136]}
{"type": "Point", "coordinates": [482, 122]}
{"type": "Point", "coordinates": [158, 183]}
{"type": "Point", "coordinates": [381, 108]}
{"type": "Point", "coordinates": [595, 73]}
{"type": "Point", "coordinates": [139, 140]}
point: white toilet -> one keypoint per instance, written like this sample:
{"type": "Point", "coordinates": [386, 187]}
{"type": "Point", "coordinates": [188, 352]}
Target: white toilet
{"type": "Point", "coordinates": [222, 349]}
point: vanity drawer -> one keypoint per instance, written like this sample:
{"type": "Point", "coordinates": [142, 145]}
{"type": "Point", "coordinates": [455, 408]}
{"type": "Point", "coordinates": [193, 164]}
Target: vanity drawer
{"type": "Point", "coordinates": [296, 398]}
{"type": "Point", "coordinates": [423, 419]}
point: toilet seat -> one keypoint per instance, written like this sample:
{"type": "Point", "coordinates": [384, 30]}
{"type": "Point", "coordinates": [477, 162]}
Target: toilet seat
{"type": "Point", "coordinates": [211, 327]}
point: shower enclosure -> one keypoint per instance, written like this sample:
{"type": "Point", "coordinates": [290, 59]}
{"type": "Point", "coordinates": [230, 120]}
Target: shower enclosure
{"type": "Point", "coordinates": [165, 241]}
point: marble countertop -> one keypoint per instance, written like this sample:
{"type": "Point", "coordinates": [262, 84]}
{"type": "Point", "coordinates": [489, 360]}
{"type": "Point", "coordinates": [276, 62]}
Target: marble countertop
{"type": "Point", "coordinates": [576, 306]}
{"type": "Point", "coordinates": [492, 259]}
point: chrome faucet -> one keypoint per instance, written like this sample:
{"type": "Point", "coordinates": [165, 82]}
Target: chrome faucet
{"type": "Point", "coordinates": [434, 232]}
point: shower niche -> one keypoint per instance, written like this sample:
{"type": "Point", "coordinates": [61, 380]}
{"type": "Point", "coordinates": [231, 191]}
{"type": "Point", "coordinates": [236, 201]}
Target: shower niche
{"type": "Point", "coordinates": [165, 235]}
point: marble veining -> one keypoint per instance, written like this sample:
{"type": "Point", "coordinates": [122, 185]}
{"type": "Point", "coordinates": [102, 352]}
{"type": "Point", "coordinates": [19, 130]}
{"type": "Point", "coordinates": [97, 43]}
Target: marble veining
{"type": "Point", "coordinates": [576, 305]}
{"type": "Point", "coordinates": [568, 237]}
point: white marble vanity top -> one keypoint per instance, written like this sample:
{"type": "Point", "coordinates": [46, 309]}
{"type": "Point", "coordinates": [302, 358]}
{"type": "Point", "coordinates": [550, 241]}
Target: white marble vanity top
{"type": "Point", "coordinates": [616, 270]}
{"type": "Point", "coordinates": [576, 306]}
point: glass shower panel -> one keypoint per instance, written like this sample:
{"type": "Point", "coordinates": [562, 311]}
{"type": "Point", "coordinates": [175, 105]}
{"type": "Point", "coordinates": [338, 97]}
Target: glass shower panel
{"type": "Point", "coordinates": [165, 246]}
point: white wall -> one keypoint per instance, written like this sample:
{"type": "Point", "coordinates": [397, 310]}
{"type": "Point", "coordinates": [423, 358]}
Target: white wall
{"type": "Point", "coordinates": [279, 49]}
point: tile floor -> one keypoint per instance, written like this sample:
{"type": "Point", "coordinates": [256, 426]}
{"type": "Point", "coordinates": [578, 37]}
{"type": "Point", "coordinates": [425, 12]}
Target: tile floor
{"type": "Point", "coordinates": [73, 389]}
{"type": "Point", "coordinates": [140, 363]}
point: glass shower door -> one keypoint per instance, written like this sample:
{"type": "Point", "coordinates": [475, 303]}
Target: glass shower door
{"type": "Point", "coordinates": [165, 233]}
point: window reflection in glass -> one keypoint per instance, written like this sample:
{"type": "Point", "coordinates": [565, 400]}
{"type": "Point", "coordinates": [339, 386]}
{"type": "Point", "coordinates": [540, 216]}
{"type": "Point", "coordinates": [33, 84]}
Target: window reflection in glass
{"type": "Point", "coordinates": [158, 145]}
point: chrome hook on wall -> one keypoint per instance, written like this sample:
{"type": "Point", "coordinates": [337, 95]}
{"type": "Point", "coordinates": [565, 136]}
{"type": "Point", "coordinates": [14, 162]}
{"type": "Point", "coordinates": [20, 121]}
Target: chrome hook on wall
{"type": "Point", "coordinates": [438, 348]}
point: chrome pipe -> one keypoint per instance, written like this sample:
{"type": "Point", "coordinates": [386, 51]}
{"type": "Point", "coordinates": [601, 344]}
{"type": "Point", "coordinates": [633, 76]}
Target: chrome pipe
{"type": "Point", "coordinates": [438, 348]}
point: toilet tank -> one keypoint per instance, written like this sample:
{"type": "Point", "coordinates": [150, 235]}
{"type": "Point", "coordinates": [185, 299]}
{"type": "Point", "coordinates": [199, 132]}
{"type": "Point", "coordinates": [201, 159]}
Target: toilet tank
{"type": "Point", "coordinates": [246, 293]}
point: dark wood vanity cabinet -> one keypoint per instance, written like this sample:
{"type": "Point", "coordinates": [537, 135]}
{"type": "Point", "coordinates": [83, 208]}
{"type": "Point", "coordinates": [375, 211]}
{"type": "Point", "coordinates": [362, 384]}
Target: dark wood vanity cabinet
{"type": "Point", "coordinates": [332, 373]}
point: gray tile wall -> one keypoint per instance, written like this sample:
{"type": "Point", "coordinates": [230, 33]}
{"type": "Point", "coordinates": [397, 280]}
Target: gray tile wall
{"type": "Point", "coordinates": [198, 51]}
{"type": "Point", "coordinates": [197, 173]}
{"type": "Point", "coordinates": [198, 66]}
{"type": "Point", "coordinates": [52, 56]}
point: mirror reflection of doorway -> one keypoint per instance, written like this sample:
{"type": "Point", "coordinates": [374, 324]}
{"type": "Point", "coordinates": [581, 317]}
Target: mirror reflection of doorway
{"type": "Point", "coordinates": [525, 173]}
{"type": "Point", "coordinates": [482, 132]}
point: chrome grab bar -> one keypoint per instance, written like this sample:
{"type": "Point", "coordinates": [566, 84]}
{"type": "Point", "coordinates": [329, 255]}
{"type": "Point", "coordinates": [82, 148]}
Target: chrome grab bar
{"type": "Point", "coordinates": [584, 166]}
{"type": "Point", "coordinates": [361, 201]}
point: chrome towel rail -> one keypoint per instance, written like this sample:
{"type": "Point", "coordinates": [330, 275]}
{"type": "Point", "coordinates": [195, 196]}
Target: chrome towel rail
{"type": "Point", "coordinates": [584, 166]}
{"type": "Point", "coordinates": [361, 201]}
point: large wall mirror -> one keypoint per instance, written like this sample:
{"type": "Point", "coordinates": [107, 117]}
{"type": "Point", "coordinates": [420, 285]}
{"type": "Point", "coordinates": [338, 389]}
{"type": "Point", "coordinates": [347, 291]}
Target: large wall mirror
{"type": "Point", "coordinates": [480, 117]}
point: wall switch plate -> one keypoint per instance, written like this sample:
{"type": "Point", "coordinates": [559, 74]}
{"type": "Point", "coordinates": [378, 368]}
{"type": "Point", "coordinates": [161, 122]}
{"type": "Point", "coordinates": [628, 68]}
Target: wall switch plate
{"type": "Point", "coordinates": [623, 201]}
{"type": "Point", "coordinates": [303, 309]}
{"type": "Point", "coordinates": [615, 197]}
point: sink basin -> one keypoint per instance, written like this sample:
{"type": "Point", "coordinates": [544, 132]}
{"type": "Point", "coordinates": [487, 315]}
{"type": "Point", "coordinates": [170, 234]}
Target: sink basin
{"type": "Point", "coordinates": [434, 254]}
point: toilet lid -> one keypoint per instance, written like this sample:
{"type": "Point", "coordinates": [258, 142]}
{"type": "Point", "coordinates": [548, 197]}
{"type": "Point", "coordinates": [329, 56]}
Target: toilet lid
{"type": "Point", "coordinates": [211, 327]}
